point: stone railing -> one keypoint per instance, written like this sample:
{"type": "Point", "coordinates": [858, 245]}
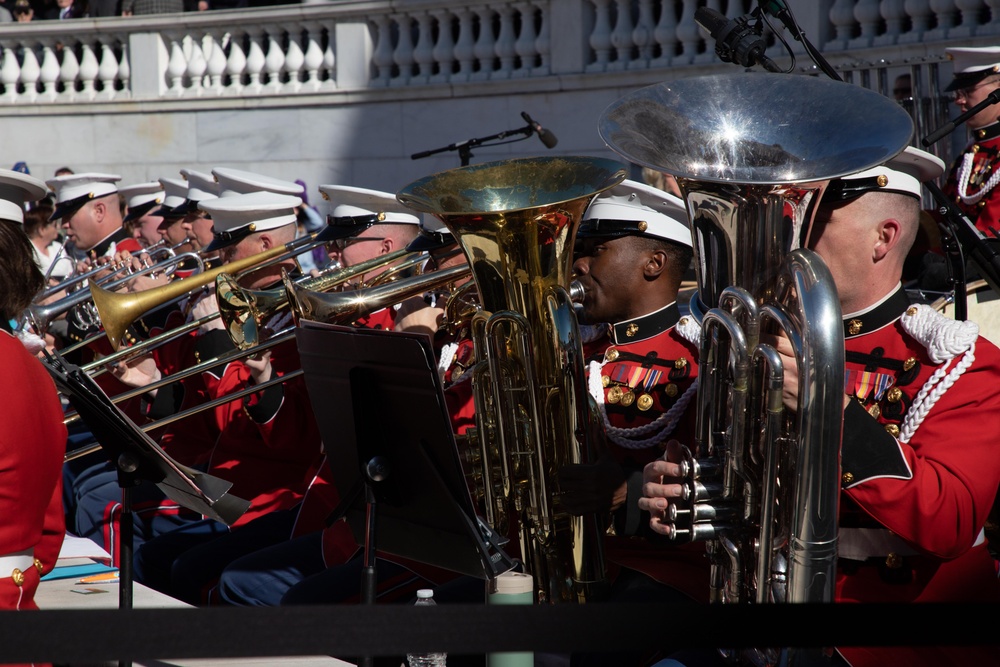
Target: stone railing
{"type": "Point", "coordinates": [361, 45]}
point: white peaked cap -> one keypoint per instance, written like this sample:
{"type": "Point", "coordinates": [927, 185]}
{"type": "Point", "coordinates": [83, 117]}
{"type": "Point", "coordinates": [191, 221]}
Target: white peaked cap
{"type": "Point", "coordinates": [142, 193]}
{"type": "Point", "coordinates": [75, 190]}
{"type": "Point", "coordinates": [176, 192]}
{"type": "Point", "coordinates": [201, 186]}
{"type": "Point", "coordinates": [903, 174]}
{"type": "Point", "coordinates": [16, 189]}
{"type": "Point", "coordinates": [236, 181]}
{"type": "Point", "coordinates": [237, 216]}
{"type": "Point", "coordinates": [657, 213]}
{"type": "Point", "coordinates": [352, 201]}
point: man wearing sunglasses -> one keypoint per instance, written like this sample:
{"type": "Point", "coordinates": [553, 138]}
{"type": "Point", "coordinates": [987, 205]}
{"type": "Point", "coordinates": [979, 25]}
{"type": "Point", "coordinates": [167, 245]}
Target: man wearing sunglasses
{"type": "Point", "coordinates": [974, 176]}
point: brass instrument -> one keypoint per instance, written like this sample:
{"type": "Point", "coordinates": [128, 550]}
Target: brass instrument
{"type": "Point", "coordinates": [516, 222]}
{"type": "Point", "coordinates": [351, 305]}
{"type": "Point", "coordinates": [118, 311]}
{"type": "Point", "coordinates": [244, 311]}
{"type": "Point", "coordinates": [762, 486]}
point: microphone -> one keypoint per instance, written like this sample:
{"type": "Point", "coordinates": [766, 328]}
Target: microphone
{"type": "Point", "coordinates": [736, 41]}
{"type": "Point", "coordinates": [546, 136]}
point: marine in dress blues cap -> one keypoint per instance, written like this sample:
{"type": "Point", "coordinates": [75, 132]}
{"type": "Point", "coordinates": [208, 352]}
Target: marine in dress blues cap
{"type": "Point", "coordinates": [972, 64]}
{"type": "Point", "coordinates": [16, 189]}
{"type": "Point", "coordinates": [141, 198]}
{"type": "Point", "coordinates": [75, 190]}
{"type": "Point", "coordinates": [903, 174]}
{"type": "Point", "coordinates": [236, 182]}
{"type": "Point", "coordinates": [636, 209]}
{"type": "Point", "coordinates": [357, 209]}
{"type": "Point", "coordinates": [238, 216]}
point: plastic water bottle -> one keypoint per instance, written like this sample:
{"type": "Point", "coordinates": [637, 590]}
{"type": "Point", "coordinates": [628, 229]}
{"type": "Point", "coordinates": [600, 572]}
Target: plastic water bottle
{"type": "Point", "coordinates": [425, 598]}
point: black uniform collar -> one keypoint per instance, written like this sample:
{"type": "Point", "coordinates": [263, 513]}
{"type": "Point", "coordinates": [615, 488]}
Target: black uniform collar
{"type": "Point", "coordinates": [647, 326]}
{"type": "Point", "coordinates": [991, 131]}
{"type": "Point", "coordinates": [104, 246]}
{"type": "Point", "coordinates": [884, 312]}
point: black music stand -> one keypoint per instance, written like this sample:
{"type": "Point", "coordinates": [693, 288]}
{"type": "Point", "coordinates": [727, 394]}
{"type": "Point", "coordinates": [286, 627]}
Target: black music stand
{"type": "Point", "coordinates": [138, 458]}
{"type": "Point", "coordinates": [381, 411]}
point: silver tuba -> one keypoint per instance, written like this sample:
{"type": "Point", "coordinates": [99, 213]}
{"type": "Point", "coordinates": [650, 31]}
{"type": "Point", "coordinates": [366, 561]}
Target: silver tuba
{"type": "Point", "coordinates": [516, 221]}
{"type": "Point", "coordinates": [753, 154]}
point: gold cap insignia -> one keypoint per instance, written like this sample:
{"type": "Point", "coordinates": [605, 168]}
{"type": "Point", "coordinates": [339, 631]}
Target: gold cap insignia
{"type": "Point", "coordinates": [381, 216]}
{"type": "Point", "coordinates": [253, 226]}
{"type": "Point", "coordinates": [882, 180]}
{"type": "Point", "coordinates": [632, 330]}
{"type": "Point", "coordinates": [643, 225]}
{"type": "Point", "coordinates": [854, 327]}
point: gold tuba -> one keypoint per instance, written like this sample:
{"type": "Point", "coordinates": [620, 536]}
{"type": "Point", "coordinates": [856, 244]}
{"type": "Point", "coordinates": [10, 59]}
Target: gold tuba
{"type": "Point", "coordinates": [753, 154]}
{"type": "Point", "coordinates": [516, 221]}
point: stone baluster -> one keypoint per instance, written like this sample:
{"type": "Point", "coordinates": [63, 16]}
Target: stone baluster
{"type": "Point", "coordinates": [506, 52]}
{"type": "Point", "coordinates": [543, 43]}
{"type": "Point", "coordinates": [423, 51]}
{"type": "Point", "coordinates": [176, 66]}
{"type": "Point", "coordinates": [256, 61]}
{"type": "Point", "coordinates": [49, 75]}
{"type": "Point", "coordinates": [274, 63]}
{"type": "Point", "coordinates": [969, 12]}
{"type": "Point", "coordinates": [294, 59]}
{"type": "Point", "coordinates": [236, 64]}
{"type": "Point", "coordinates": [485, 49]}
{"type": "Point", "coordinates": [10, 74]}
{"type": "Point", "coordinates": [402, 55]}
{"type": "Point", "coordinates": [867, 14]}
{"type": "Point", "coordinates": [90, 71]}
{"type": "Point", "coordinates": [600, 36]}
{"type": "Point", "coordinates": [107, 71]}
{"type": "Point", "coordinates": [465, 45]}
{"type": "Point", "coordinates": [665, 35]}
{"type": "Point", "coordinates": [444, 49]}
{"type": "Point", "coordinates": [382, 54]}
{"type": "Point", "coordinates": [524, 45]}
{"type": "Point", "coordinates": [944, 11]}
{"type": "Point", "coordinates": [842, 18]}
{"type": "Point", "coordinates": [642, 35]}
{"type": "Point", "coordinates": [30, 74]}
{"type": "Point", "coordinates": [197, 65]}
{"type": "Point", "coordinates": [125, 72]}
{"type": "Point", "coordinates": [689, 35]}
{"type": "Point", "coordinates": [215, 62]}
{"type": "Point", "coordinates": [919, 12]}
{"type": "Point", "coordinates": [621, 35]}
{"type": "Point", "coordinates": [312, 59]}
{"type": "Point", "coordinates": [894, 13]}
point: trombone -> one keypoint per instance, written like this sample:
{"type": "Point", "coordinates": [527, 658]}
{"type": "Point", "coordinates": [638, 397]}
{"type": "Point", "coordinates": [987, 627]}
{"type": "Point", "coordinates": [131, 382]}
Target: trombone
{"type": "Point", "coordinates": [341, 308]}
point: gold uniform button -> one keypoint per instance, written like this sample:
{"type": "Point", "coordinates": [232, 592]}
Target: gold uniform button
{"type": "Point", "coordinates": [875, 411]}
{"type": "Point", "coordinates": [909, 363]}
{"type": "Point", "coordinates": [892, 430]}
{"type": "Point", "coordinates": [894, 395]}
{"type": "Point", "coordinates": [894, 561]}
{"type": "Point", "coordinates": [854, 327]}
{"type": "Point", "coordinates": [611, 354]}
{"type": "Point", "coordinates": [670, 390]}
{"type": "Point", "coordinates": [17, 577]}
{"type": "Point", "coordinates": [605, 380]}
{"type": "Point", "coordinates": [38, 565]}
{"type": "Point", "coordinates": [680, 363]}
{"type": "Point", "coordinates": [847, 478]}
{"type": "Point", "coordinates": [882, 180]}
{"type": "Point", "coordinates": [911, 311]}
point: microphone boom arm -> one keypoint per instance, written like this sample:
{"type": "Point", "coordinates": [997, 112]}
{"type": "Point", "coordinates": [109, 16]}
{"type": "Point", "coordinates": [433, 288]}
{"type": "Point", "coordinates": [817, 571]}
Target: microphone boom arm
{"type": "Point", "coordinates": [464, 148]}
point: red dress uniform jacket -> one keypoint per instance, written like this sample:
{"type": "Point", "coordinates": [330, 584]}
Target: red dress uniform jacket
{"type": "Point", "coordinates": [648, 372]}
{"type": "Point", "coordinates": [31, 458]}
{"type": "Point", "coordinates": [920, 469]}
{"type": "Point", "coordinates": [973, 180]}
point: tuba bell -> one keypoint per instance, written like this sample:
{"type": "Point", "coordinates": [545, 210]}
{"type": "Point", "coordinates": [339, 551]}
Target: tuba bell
{"type": "Point", "coordinates": [762, 486]}
{"type": "Point", "coordinates": [516, 221]}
